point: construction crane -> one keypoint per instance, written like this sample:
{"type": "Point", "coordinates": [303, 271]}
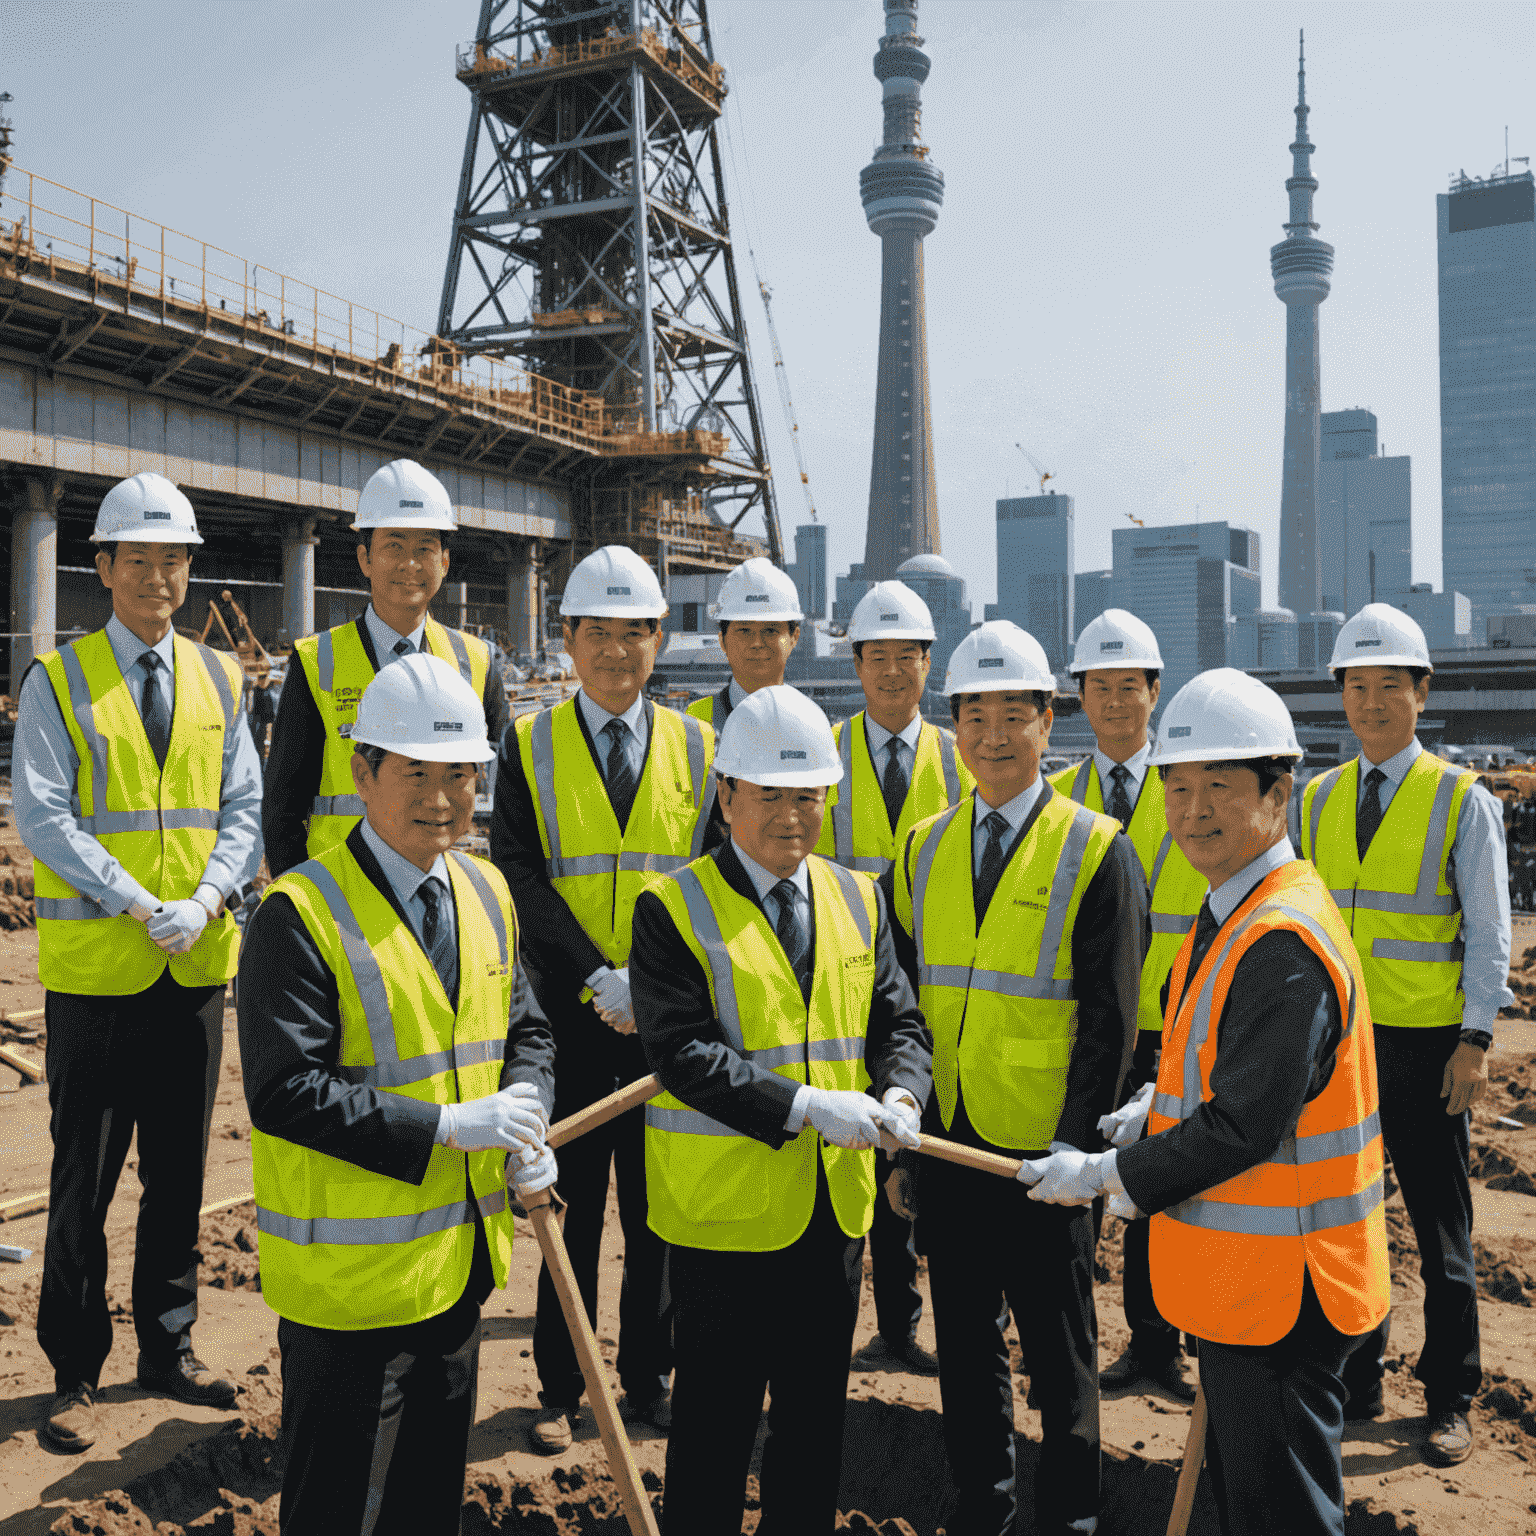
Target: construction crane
{"type": "Point", "coordinates": [781, 373]}
{"type": "Point", "coordinates": [1039, 468]}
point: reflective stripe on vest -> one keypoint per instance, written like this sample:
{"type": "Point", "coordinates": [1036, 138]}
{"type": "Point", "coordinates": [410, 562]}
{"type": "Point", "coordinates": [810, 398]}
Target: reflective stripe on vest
{"type": "Point", "coordinates": [406, 1249]}
{"type": "Point", "coordinates": [1399, 934]}
{"type": "Point", "coordinates": [710, 1186]}
{"type": "Point", "coordinates": [591, 880]}
{"type": "Point", "coordinates": [337, 668]}
{"type": "Point", "coordinates": [857, 832]}
{"type": "Point", "coordinates": [160, 824]}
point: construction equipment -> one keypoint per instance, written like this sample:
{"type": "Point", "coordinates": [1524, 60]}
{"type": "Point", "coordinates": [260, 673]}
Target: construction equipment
{"type": "Point", "coordinates": [253, 655]}
{"type": "Point", "coordinates": [1039, 468]}
{"type": "Point", "coordinates": [781, 373]}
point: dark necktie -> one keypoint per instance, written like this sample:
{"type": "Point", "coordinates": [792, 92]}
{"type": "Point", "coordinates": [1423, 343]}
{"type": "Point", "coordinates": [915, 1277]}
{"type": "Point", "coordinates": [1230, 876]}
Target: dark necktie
{"type": "Point", "coordinates": [155, 707]}
{"type": "Point", "coordinates": [1206, 929]}
{"type": "Point", "coordinates": [894, 785]}
{"type": "Point", "coordinates": [404, 648]}
{"type": "Point", "coordinates": [437, 933]}
{"type": "Point", "coordinates": [1120, 806]}
{"type": "Point", "coordinates": [993, 857]}
{"type": "Point", "coordinates": [620, 776]}
{"type": "Point", "coordinates": [1368, 816]}
{"type": "Point", "coordinates": [792, 934]}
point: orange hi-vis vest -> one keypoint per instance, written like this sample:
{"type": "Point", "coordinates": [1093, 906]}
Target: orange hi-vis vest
{"type": "Point", "coordinates": [1228, 1264]}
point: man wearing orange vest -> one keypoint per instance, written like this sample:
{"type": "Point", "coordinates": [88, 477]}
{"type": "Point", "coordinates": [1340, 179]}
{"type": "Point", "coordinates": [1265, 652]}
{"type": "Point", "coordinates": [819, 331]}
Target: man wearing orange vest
{"type": "Point", "coordinates": [1263, 1162]}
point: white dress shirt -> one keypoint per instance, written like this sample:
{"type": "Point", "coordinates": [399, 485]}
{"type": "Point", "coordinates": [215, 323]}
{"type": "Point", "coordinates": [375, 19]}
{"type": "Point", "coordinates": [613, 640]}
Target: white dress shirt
{"type": "Point", "coordinates": [386, 639]}
{"type": "Point", "coordinates": [406, 879]}
{"type": "Point", "coordinates": [635, 738]}
{"type": "Point", "coordinates": [1015, 813]}
{"type": "Point", "coordinates": [1135, 765]}
{"type": "Point", "coordinates": [1231, 894]}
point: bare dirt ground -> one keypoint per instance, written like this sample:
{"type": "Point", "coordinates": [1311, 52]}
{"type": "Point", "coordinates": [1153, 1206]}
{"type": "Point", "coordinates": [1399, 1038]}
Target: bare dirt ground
{"type": "Point", "coordinates": [166, 1468]}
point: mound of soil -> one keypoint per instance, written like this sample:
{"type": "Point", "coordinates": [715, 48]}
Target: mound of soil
{"type": "Point", "coordinates": [227, 1240]}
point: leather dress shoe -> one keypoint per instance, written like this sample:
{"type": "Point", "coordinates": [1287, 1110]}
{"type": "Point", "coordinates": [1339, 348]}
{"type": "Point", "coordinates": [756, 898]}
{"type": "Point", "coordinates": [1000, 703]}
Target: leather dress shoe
{"type": "Point", "coordinates": [71, 1422]}
{"type": "Point", "coordinates": [1171, 1375]}
{"type": "Point", "coordinates": [551, 1431]}
{"type": "Point", "coordinates": [187, 1379]}
{"type": "Point", "coordinates": [1448, 1441]}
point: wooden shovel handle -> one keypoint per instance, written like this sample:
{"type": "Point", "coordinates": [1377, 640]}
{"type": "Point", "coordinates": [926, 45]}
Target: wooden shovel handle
{"type": "Point", "coordinates": [1189, 1472]}
{"type": "Point", "coordinates": [604, 1110]}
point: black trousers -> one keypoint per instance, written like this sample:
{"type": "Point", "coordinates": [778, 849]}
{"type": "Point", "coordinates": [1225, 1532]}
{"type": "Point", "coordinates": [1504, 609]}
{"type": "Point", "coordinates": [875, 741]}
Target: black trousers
{"type": "Point", "coordinates": [645, 1349]}
{"type": "Point", "coordinates": [1429, 1151]}
{"type": "Point", "coordinates": [1152, 1339]}
{"type": "Point", "coordinates": [749, 1322]}
{"type": "Point", "coordinates": [893, 1260]}
{"type": "Point", "coordinates": [992, 1250]}
{"type": "Point", "coordinates": [353, 1399]}
{"type": "Point", "coordinates": [150, 1060]}
{"type": "Point", "coordinates": [1275, 1428]}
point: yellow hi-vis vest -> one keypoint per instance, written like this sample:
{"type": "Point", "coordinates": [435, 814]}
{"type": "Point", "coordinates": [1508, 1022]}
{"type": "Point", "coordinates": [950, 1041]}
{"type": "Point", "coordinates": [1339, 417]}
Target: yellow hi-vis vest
{"type": "Point", "coordinates": [1177, 889]}
{"type": "Point", "coordinates": [857, 831]}
{"type": "Point", "coordinates": [1399, 907]}
{"type": "Point", "coordinates": [160, 825]}
{"type": "Point", "coordinates": [337, 669]}
{"type": "Point", "coordinates": [597, 869]}
{"type": "Point", "coordinates": [1000, 1002]}
{"type": "Point", "coordinates": [344, 1248]}
{"type": "Point", "coordinates": [714, 710]}
{"type": "Point", "coordinates": [710, 1186]}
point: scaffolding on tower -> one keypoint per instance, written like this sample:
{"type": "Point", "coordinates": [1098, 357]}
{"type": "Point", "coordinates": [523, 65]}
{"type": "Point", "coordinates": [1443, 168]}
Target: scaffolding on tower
{"type": "Point", "coordinates": [591, 242]}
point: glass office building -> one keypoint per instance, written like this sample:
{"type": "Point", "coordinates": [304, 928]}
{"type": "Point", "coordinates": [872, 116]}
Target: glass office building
{"type": "Point", "coordinates": [1035, 560]}
{"type": "Point", "coordinates": [1363, 514]}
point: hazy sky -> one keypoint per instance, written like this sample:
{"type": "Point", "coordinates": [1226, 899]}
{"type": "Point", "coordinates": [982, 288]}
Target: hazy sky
{"type": "Point", "coordinates": [1098, 285]}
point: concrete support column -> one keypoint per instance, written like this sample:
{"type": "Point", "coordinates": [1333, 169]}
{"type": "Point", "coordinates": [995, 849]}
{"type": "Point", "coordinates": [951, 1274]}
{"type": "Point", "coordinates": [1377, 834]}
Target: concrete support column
{"type": "Point", "coordinates": [525, 582]}
{"type": "Point", "coordinates": [298, 579]}
{"type": "Point", "coordinates": [34, 572]}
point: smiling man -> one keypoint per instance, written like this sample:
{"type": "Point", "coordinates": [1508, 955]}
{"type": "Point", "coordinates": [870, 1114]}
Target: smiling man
{"type": "Point", "coordinates": [1022, 918]}
{"type": "Point", "coordinates": [137, 790]}
{"type": "Point", "coordinates": [393, 1059]}
{"type": "Point", "coordinates": [1413, 849]}
{"type": "Point", "coordinates": [404, 517]}
{"type": "Point", "coordinates": [758, 611]}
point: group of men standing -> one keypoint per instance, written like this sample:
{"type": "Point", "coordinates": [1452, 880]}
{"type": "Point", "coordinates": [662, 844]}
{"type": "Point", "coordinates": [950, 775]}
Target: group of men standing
{"type": "Point", "coordinates": [825, 943]}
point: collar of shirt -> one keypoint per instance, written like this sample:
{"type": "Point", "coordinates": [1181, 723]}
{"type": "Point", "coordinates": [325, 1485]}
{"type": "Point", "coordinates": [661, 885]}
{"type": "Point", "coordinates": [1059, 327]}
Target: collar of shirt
{"type": "Point", "coordinates": [1230, 895]}
{"type": "Point", "coordinates": [597, 718]}
{"type": "Point", "coordinates": [737, 694]}
{"type": "Point", "coordinates": [404, 877]}
{"type": "Point", "coordinates": [386, 639]}
{"type": "Point", "coordinates": [1396, 767]}
{"type": "Point", "coordinates": [1015, 812]}
{"type": "Point", "coordinates": [1135, 765]}
{"type": "Point", "coordinates": [764, 880]}
{"type": "Point", "coordinates": [127, 647]}
{"type": "Point", "coordinates": [880, 738]}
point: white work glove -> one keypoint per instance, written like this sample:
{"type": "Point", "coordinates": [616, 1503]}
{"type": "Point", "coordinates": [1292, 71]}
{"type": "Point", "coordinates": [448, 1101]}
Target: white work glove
{"type": "Point", "coordinates": [506, 1120]}
{"type": "Point", "coordinates": [898, 1102]}
{"type": "Point", "coordinates": [848, 1118]}
{"type": "Point", "coordinates": [532, 1168]}
{"type": "Point", "coordinates": [176, 925]}
{"type": "Point", "coordinates": [610, 996]}
{"type": "Point", "coordinates": [1066, 1177]}
{"type": "Point", "coordinates": [1122, 1127]}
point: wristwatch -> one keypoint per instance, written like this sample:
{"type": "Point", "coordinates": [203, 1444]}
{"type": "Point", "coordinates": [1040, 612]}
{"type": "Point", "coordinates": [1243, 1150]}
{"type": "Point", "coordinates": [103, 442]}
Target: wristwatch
{"type": "Point", "coordinates": [1481, 1038]}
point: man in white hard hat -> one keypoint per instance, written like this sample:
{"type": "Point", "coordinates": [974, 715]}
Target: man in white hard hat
{"type": "Point", "coordinates": [1413, 849]}
{"type": "Point", "coordinates": [138, 792]}
{"type": "Point", "coordinates": [1027, 918]}
{"type": "Point", "coordinates": [770, 1003]}
{"type": "Point", "coordinates": [593, 799]}
{"type": "Point", "coordinates": [1263, 1169]}
{"type": "Point", "coordinates": [1116, 665]}
{"type": "Point", "coordinates": [397, 1073]}
{"type": "Point", "coordinates": [404, 522]}
{"type": "Point", "coordinates": [758, 611]}
{"type": "Point", "coordinates": [897, 771]}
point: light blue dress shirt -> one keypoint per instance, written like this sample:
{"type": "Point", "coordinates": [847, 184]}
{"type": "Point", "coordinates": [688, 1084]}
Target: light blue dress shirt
{"type": "Point", "coordinates": [1478, 872]}
{"type": "Point", "coordinates": [635, 738]}
{"type": "Point", "coordinates": [1015, 813]}
{"type": "Point", "coordinates": [406, 879]}
{"type": "Point", "coordinates": [1231, 894]}
{"type": "Point", "coordinates": [45, 764]}
{"type": "Point", "coordinates": [880, 741]}
{"type": "Point", "coordinates": [386, 639]}
{"type": "Point", "coordinates": [1135, 765]}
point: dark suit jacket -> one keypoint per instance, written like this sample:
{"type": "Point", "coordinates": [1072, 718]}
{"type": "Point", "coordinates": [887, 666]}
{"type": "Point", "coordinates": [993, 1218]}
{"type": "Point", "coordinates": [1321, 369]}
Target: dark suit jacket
{"type": "Point", "coordinates": [687, 1049]}
{"type": "Point", "coordinates": [290, 1036]}
{"type": "Point", "coordinates": [298, 754]}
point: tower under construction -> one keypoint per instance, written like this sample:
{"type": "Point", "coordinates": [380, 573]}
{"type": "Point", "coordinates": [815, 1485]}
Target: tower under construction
{"type": "Point", "coordinates": [591, 243]}
{"type": "Point", "coordinates": [902, 193]}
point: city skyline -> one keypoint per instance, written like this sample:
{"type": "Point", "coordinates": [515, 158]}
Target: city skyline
{"type": "Point", "coordinates": [1108, 305]}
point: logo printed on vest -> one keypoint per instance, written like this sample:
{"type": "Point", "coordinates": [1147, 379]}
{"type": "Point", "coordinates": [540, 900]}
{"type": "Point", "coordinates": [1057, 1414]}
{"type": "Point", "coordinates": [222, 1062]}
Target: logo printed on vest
{"type": "Point", "coordinates": [151, 516]}
{"type": "Point", "coordinates": [990, 661]}
{"type": "Point", "coordinates": [447, 725]}
{"type": "Point", "coordinates": [1180, 730]}
{"type": "Point", "coordinates": [858, 962]}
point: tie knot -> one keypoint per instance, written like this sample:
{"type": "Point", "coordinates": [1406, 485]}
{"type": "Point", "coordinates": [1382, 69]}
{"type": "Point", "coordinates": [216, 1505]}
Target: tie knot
{"type": "Point", "coordinates": [615, 731]}
{"type": "Point", "coordinates": [784, 894]}
{"type": "Point", "coordinates": [1376, 776]}
{"type": "Point", "coordinates": [151, 662]}
{"type": "Point", "coordinates": [1120, 774]}
{"type": "Point", "coordinates": [404, 648]}
{"type": "Point", "coordinates": [996, 824]}
{"type": "Point", "coordinates": [431, 891]}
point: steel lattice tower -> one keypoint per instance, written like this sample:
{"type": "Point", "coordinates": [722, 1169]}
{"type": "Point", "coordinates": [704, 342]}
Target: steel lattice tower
{"type": "Point", "coordinates": [591, 242]}
{"type": "Point", "coordinates": [1301, 265]}
{"type": "Point", "coordinates": [902, 194]}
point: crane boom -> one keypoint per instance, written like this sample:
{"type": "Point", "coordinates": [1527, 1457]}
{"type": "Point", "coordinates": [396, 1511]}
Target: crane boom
{"type": "Point", "coordinates": [781, 373]}
{"type": "Point", "coordinates": [1039, 468]}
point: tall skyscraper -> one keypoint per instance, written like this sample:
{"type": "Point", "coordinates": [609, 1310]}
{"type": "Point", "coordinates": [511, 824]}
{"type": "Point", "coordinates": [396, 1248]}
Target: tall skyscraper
{"type": "Point", "coordinates": [1364, 527]}
{"type": "Point", "coordinates": [902, 194]}
{"type": "Point", "coordinates": [1487, 248]}
{"type": "Point", "coordinates": [1035, 557]}
{"type": "Point", "coordinates": [1092, 593]}
{"type": "Point", "coordinates": [809, 572]}
{"type": "Point", "coordinates": [1300, 265]}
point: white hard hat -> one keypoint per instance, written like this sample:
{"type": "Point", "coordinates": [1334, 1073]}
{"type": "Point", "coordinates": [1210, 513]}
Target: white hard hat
{"type": "Point", "coordinates": [146, 509]}
{"type": "Point", "coordinates": [1224, 714]}
{"type": "Point", "coordinates": [1116, 639]}
{"type": "Point", "coordinates": [891, 610]}
{"type": "Point", "coordinates": [612, 582]}
{"type": "Point", "coordinates": [757, 589]}
{"type": "Point", "coordinates": [1380, 636]}
{"type": "Point", "coordinates": [999, 657]}
{"type": "Point", "coordinates": [420, 707]}
{"type": "Point", "coordinates": [404, 495]}
{"type": "Point", "coordinates": [777, 736]}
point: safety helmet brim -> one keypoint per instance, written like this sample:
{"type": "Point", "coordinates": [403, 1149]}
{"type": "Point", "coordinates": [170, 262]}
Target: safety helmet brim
{"type": "Point", "coordinates": [187, 536]}
{"type": "Point", "coordinates": [430, 751]}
